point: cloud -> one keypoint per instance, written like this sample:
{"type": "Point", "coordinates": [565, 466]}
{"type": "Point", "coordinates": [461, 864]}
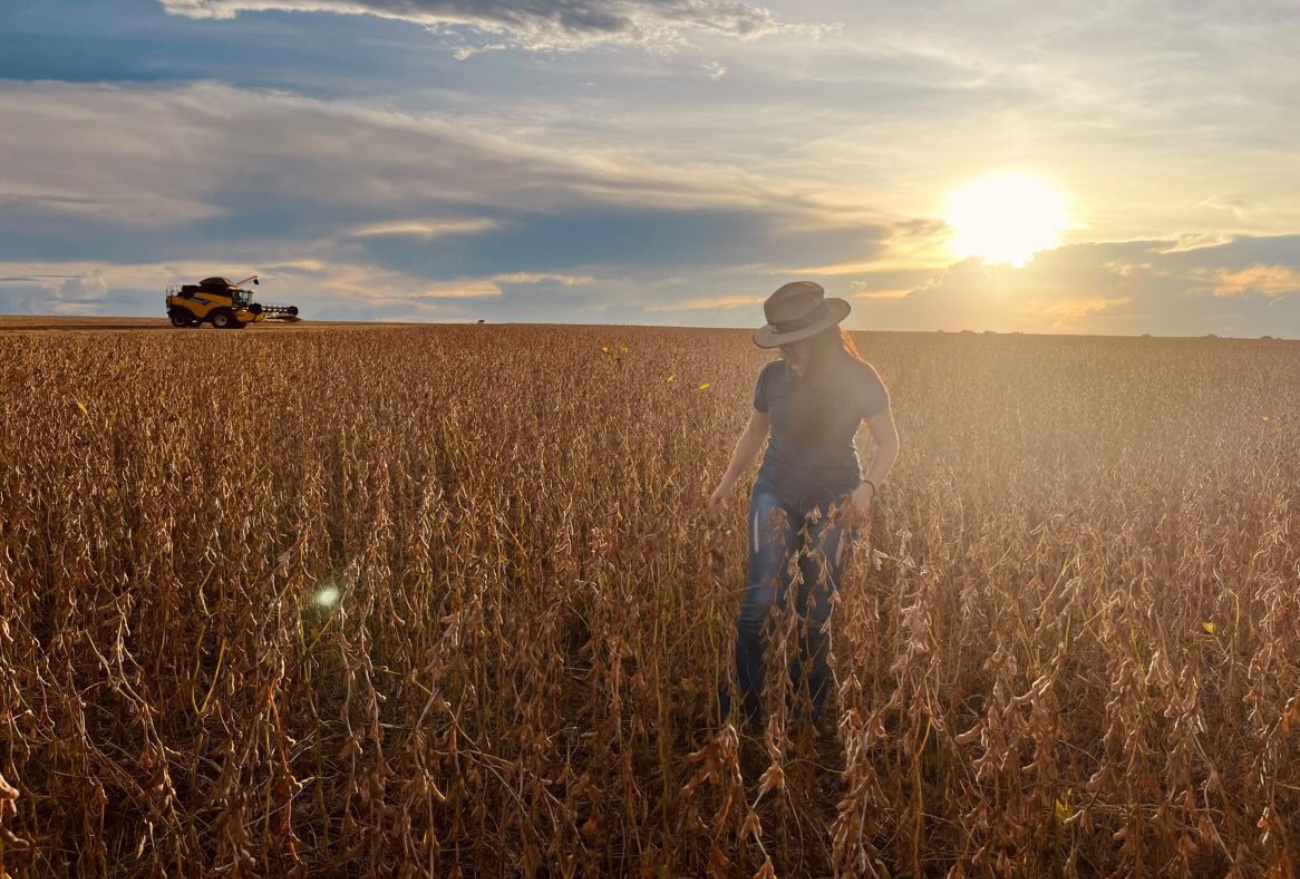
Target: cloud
{"type": "Point", "coordinates": [91, 285]}
{"type": "Point", "coordinates": [1198, 241]}
{"type": "Point", "coordinates": [708, 302]}
{"type": "Point", "coordinates": [536, 25]}
{"type": "Point", "coordinates": [459, 290]}
{"type": "Point", "coordinates": [163, 156]}
{"type": "Point", "coordinates": [1068, 313]}
{"type": "Point", "coordinates": [52, 289]}
{"type": "Point", "coordinates": [424, 230]}
{"type": "Point", "coordinates": [543, 278]}
{"type": "Point", "coordinates": [862, 290]}
{"type": "Point", "coordinates": [322, 290]}
{"type": "Point", "coordinates": [1245, 286]}
{"type": "Point", "coordinates": [489, 287]}
{"type": "Point", "coordinates": [1261, 279]}
{"type": "Point", "coordinates": [1109, 287]}
{"type": "Point", "coordinates": [363, 206]}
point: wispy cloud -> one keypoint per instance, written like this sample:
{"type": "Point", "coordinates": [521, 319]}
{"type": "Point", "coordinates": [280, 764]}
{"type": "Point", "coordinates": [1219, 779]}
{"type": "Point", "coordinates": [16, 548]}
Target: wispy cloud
{"type": "Point", "coordinates": [543, 278]}
{"type": "Point", "coordinates": [461, 290]}
{"type": "Point", "coordinates": [1067, 313]}
{"type": "Point", "coordinates": [537, 25]}
{"type": "Point", "coordinates": [483, 288]}
{"type": "Point", "coordinates": [708, 302]}
{"type": "Point", "coordinates": [879, 294]}
{"type": "Point", "coordinates": [888, 263]}
{"type": "Point", "coordinates": [1198, 241]}
{"type": "Point", "coordinates": [1262, 279]}
{"type": "Point", "coordinates": [424, 230]}
{"type": "Point", "coordinates": [163, 155]}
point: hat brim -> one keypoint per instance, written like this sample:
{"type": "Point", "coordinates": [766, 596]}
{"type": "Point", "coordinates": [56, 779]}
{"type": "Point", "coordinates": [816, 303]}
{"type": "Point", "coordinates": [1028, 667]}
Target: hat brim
{"type": "Point", "coordinates": [836, 310]}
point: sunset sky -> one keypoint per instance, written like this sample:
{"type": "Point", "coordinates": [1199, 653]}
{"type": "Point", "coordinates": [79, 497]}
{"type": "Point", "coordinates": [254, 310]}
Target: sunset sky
{"type": "Point", "coordinates": [660, 161]}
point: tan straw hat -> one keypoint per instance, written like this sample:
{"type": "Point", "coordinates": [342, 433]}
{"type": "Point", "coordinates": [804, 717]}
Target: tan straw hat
{"type": "Point", "coordinates": [796, 311]}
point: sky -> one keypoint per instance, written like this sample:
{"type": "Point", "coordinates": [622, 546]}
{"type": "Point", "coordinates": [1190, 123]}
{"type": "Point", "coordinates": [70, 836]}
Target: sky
{"type": "Point", "coordinates": [659, 161]}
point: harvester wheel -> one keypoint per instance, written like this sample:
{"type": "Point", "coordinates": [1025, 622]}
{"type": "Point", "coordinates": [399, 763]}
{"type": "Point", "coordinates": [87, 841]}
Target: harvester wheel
{"type": "Point", "coordinates": [223, 319]}
{"type": "Point", "coordinates": [180, 318]}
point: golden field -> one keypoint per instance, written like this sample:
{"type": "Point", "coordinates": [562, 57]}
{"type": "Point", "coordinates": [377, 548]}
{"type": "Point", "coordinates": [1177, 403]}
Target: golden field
{"type": "Point", "coordinates": [446, 601]}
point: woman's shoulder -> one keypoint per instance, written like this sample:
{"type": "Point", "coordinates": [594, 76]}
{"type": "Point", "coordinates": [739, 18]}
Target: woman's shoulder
{"type": "Point", "coordinates": [861, 370]}
{"type": "Point", "coordinates": [874, 394]}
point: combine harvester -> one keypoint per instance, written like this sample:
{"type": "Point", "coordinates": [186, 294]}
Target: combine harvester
{"type": "Point", "coordinates": [225, 305]}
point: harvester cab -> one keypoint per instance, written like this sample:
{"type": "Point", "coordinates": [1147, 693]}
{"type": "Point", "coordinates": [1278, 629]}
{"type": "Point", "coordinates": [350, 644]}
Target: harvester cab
{"type": "Point", "coordinates": [225, 304]}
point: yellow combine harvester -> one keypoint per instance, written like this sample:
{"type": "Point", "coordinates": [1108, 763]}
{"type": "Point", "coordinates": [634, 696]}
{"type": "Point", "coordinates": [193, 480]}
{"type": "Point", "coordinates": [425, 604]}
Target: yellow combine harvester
{"type": "Point", "coordinates": [225, 305]}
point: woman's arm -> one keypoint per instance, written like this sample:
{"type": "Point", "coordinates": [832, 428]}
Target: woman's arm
{"type": "Point", "coordinates": [747, 448]}
{"type": "Point", "coordinates": [886, 436]}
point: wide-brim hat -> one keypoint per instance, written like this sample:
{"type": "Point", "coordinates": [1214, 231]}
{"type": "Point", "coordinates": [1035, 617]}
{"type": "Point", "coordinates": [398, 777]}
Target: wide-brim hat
{"type": "Point", "coordinates": [796, 311]}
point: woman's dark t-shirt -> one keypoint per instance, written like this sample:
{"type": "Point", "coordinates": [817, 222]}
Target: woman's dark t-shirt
{"type": "Point", "coordinates": [827, 467]}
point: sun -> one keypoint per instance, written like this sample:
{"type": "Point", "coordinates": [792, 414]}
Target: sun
{"type": "Point", "coordinates": [1005, 218]}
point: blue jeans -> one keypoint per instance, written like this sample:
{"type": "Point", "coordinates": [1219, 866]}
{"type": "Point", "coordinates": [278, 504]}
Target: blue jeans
{"type": "Point", "coordinates": [776, 532]}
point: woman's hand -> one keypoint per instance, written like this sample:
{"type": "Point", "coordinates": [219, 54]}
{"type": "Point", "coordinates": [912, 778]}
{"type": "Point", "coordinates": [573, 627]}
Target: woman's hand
{"type": "Point", "coordinates": [721, 497]}
{"type": "Point", "coordinates": [864, 500]}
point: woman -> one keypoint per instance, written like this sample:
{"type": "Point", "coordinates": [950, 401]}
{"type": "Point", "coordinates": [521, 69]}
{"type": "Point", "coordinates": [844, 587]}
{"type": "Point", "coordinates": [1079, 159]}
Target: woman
{"type": "Point", "coordinates": [810, 490]}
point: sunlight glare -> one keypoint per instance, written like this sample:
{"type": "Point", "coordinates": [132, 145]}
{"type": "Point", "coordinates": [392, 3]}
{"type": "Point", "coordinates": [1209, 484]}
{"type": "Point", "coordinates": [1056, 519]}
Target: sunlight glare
{"type": "Point", "coordinates": [1005, 218]}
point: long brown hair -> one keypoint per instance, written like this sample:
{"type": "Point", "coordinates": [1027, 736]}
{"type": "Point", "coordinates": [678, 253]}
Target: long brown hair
{"type": "Point", "coordinates": [829, 349]}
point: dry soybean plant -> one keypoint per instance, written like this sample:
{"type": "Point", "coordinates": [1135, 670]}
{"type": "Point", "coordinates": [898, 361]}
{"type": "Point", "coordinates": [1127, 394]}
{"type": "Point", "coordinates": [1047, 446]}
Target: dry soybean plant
{"type": "Point", "coordinates": [446, 602]}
